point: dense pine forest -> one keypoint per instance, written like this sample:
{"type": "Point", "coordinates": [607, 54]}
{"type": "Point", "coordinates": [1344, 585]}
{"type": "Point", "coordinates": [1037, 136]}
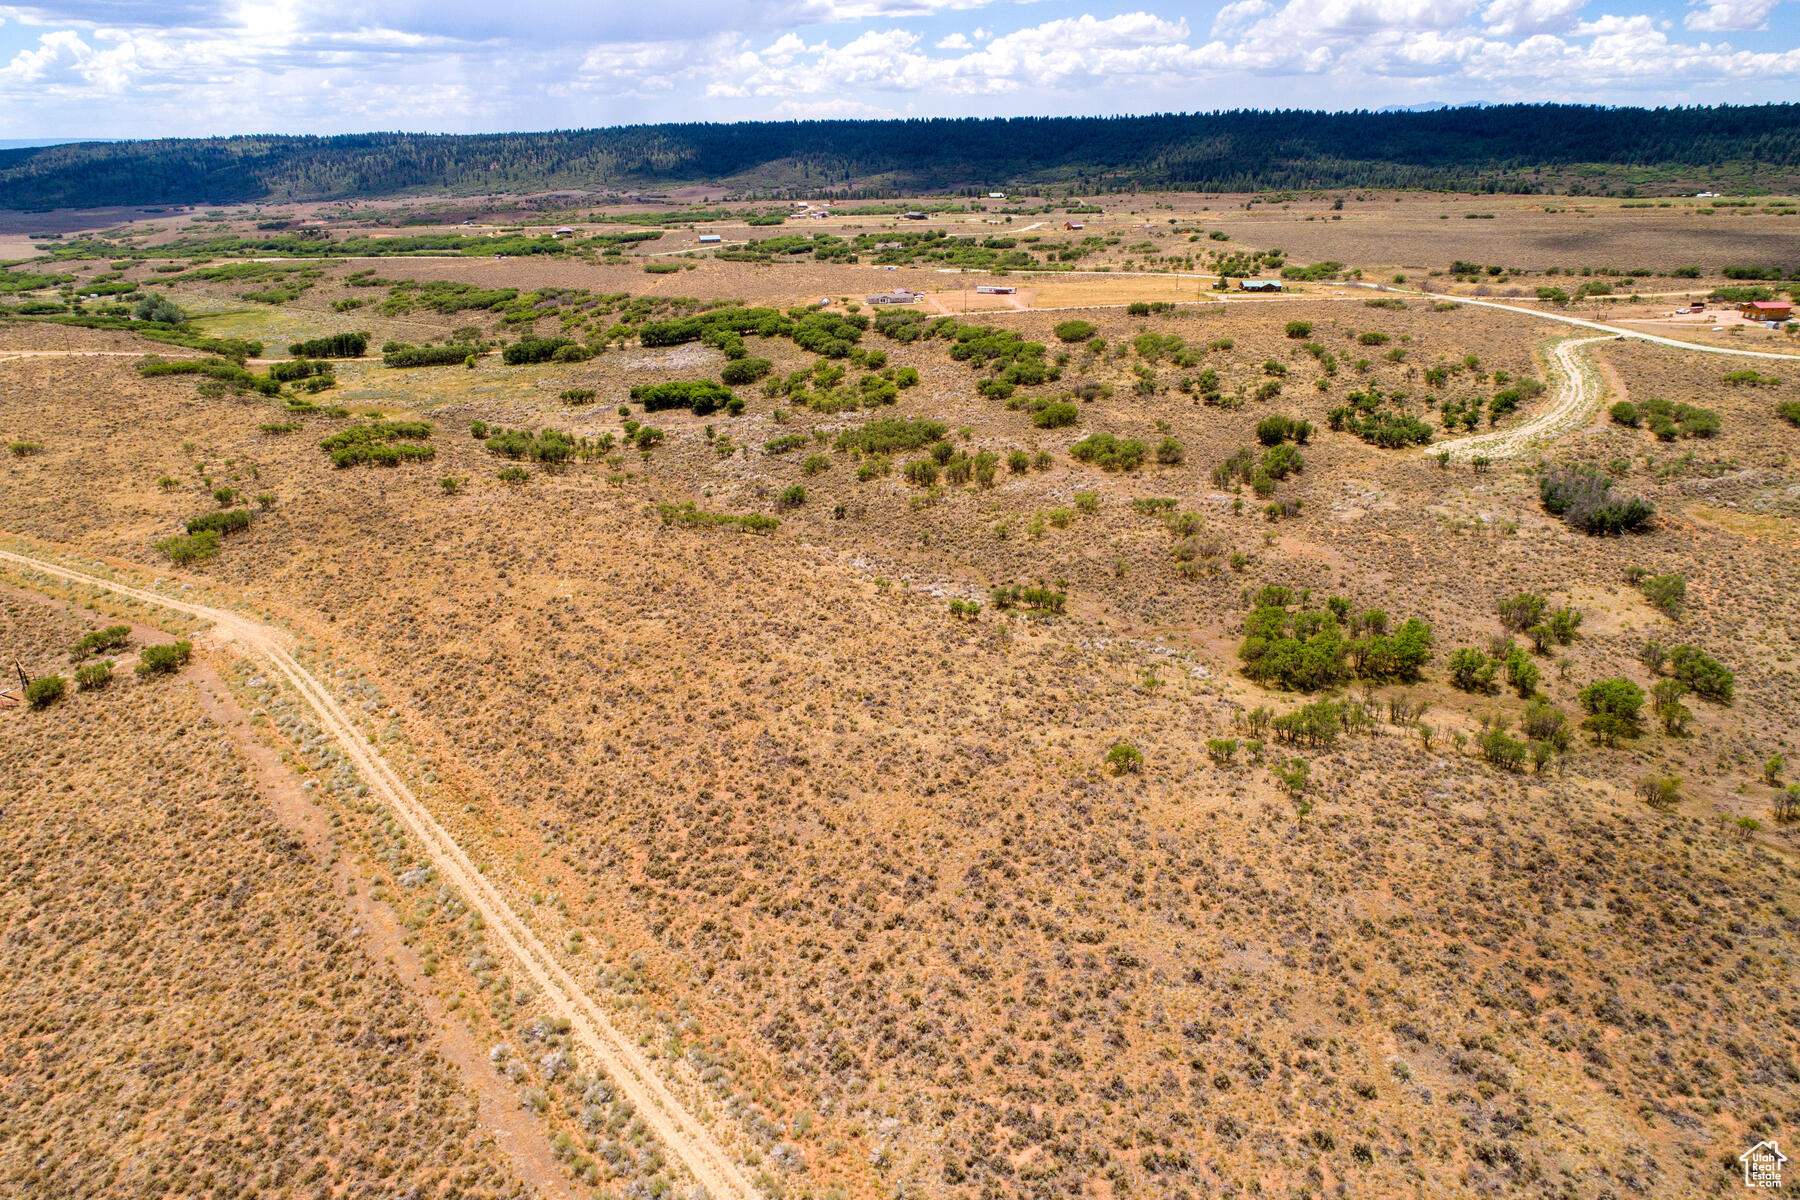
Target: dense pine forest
{"type": "Point", "coordinates": [1520, 148]}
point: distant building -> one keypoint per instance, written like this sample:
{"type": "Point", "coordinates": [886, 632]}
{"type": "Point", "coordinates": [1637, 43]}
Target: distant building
{"type": "Point", "coordinates": [565, 231]}
{"type": "Point", "coordinates": [708, 238]}
{"type": "Point", "coordinates": [890, 245]}
{"type": "Point", "coordinates": [1259, 285]}
{"type": "Point", "coordinates": [1073, 225]}
{"type": "Point", "coordinates": [1768, 310]}
{"type": "Point", "coordinates": [996, 195]}
{"type": "Point", "coordinates": [995, 289]}
{"type": "Point", "coordinates": [894, 297]}
{"type": "Point", "coordinates": [912, 216]}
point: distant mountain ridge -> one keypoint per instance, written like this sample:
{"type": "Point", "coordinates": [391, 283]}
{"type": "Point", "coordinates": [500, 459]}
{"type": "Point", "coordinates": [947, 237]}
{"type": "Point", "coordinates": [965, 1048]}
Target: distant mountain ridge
{"type": "Point", "coordinates": [1495, 148]}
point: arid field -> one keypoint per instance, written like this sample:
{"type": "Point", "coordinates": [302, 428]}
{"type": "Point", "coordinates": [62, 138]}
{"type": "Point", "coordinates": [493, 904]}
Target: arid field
{"type": "Point", "coordinates": [955, 755]}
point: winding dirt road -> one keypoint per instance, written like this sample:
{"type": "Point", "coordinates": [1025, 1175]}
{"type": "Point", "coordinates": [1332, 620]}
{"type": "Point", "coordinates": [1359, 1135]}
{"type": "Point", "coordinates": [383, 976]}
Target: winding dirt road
{"type": "Point", "coordinates": [1576, 391]}
{"type": "Point", "coordinates": [677, 1128]}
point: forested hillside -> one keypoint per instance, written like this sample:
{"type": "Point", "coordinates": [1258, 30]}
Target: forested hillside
{"type": "Point", "coordinates": [1505, 148]}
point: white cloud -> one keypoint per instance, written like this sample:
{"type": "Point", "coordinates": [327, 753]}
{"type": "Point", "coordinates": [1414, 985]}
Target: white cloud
{"type": "Point", "coordinates": [456, 64]}
{"type": "Point", "coordinates": [1510, 18]}
{"type": "Point", "coordinates": [1239, 13]}
{"type": "Point", "coordinates": [1718, 16]}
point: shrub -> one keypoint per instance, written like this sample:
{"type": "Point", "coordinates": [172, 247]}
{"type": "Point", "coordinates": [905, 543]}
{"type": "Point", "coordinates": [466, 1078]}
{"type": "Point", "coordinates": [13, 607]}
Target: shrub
{"type": "Point", "coordinates": [1075, 331]}
{"type": "Point", "coordinates": [159, 310]}
{"type": "Point", "coordinates": [1109, 452]}
{"type": "Point", "coordinates": [1519, 613]}
{"type": "Point", "coordinates": [1789, 412]}
{"type": "Point", "coordinates": [1704, 674]}
{"type": "Point", "coordinates": [1055, 415]}
{"type": "Point", "coordinates": [1124, 758]}
{"type": "Point", "coordinates": [1278, 462]}
{"type": "Point", "coordinates": [891, 434]}
{"type": "Point", "coordinates": [1275, 429]}
{"type": "Point", "coordinates": [1221, 750]}
{"type": "Point", "coordinates": [1472, 671]}
{"type": "Point", "coordinates": [1668, 593]}
{"type": "Point", "coordinates": [513, 475]}
{"type": "Point", "coordinates": [1660, 791]}
{"type": "Point", "coordinates": [400, 354]}
{"type": "Point", "coordinates": [745, 370]}
{"type": "Point", "coordinates": [164, 659]}
{"type": "Point", "coordinates": [45, 690]}
{"type": "Point", "coordinates": [1299, 330]}
{"type": "Point", "coordinates": [382, 443]}
{"type": "Point", "coordinates": [337, 345]}
{"type": "Point", "coordinates": [702, 396]}
{"type": "Point", "coordinates": [190, 548]}
{"type": "Point", "coordinates": [300, 368]}
{"type": "Point", "coordinates": [1170, 452]}
{"type": "Point", "coordinates": [815, 463]}
{"type": "Point", "coordinates": [228, 521]}
{"type": "Point", "coordinates": [1625, 413]}
{"type": "Point", "coordinates": [1613, 707]}
{"type": "Point", "coordinates": [533, 350]}
{"type": "Point", "coordinates": [1583, 497]}
{"type": "Point", "coordinates": [113, 637]}
{"type": "Point", "coordinates": [577, 396]}
{"type": "Point", "coordinates": [1018, 462]}
{"type": "Point", "coordinates": [791, 497]}
{"type": "Point", "coordinates": [94, 676]}
{"type": "Point", "coordinates": [923, 472]}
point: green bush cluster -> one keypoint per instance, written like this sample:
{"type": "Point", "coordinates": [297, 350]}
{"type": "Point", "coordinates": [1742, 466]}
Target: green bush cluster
{"type": "Point", "coordinates": [694, 518]}
{"type": "Point", "coordinates": [113, 637]}
{"type": "Point", "coordinates": [337, 345]}
{"type": "Point", "coordinates": [230, 520]}
{"type": "Point", "coordinates": [381, 443]}
{"type": "Point", "coordinates": [891, 435]}
{"type": "Point", "coordinates": [164, 659]}
{"type": "Point", "coordinates": [403, 354]}
{"type": "Point", "coordinates": [1583, 497]}
{"type": "Point", "coordinates": [184, 549]}
{"type": "Point", "coordinates": [1110, 452]}
{"type": "Point", "coordinates": [299, 368]}
{"type": "Point", "coordinates": [1037, 599]}
{"type": "Point", "coordinates": [1312, 649]}
{"type": "Point", "coordinates": [701, 396]}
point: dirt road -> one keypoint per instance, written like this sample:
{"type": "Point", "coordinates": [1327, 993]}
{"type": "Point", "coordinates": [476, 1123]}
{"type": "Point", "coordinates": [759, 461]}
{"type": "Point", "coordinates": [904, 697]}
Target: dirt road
{"type": "Point", "coordinates": [678, 1129]}
{"type": "Point", "coordinates": [1576, 391]}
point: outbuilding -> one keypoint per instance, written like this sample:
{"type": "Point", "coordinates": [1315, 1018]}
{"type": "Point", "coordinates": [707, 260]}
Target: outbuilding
{"type": "Point", "coordinates": [1768, 310]}
{"type": "Point", "coordinates": [710, 239]}
{"type": "Point", "coordinates": [995, 289]}
{"type": "Point", "coordinates": [1259, 285]}
{"type": "Point", "coordinates": [896, 297]}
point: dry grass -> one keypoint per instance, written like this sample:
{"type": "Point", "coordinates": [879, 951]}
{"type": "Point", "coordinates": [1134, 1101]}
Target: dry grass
{"type": "Point", "coordinates": [854, 868]}
{"type": "Point", "coordinates": [187, 1009]}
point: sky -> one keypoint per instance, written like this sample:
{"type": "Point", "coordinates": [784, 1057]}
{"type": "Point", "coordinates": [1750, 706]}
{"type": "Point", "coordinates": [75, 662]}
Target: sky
{"type": "Point", "coordinates": [186, 68]}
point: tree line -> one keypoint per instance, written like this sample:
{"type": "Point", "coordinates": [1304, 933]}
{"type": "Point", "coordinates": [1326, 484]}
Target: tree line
{"type": "Point", "coordinates": [1517, 147]}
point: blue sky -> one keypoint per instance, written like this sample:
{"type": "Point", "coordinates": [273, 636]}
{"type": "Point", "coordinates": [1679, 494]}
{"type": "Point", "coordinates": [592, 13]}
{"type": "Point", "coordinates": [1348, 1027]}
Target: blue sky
{"type": "Point", "coordinates": [147, 68]}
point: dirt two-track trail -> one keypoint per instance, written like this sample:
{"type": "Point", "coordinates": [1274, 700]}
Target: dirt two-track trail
{"type": "Point", "coordinates": [1577, 390]}
{"type": "Point", "coordinates": [678, 1128]}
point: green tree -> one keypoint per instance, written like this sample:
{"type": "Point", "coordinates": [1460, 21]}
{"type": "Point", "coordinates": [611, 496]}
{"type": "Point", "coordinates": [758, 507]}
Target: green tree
{"type": "Point", "coordinates": [1614, 710]}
